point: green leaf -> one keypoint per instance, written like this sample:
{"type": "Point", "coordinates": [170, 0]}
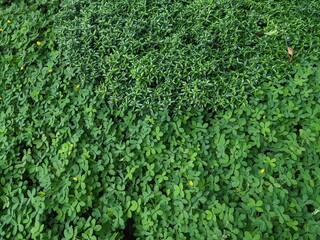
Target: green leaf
{"type": "Point", "coordinates": [251, 203]}
{"type": "Point", "coordinates": [259, 209]}
{"type": "Point", "coordinates": [270, 33]}
{"type": "Point", "coordinates": [97, 228]}
{"type": "Point", "coordinates": [259, 203]}
{"type": "Point", "coordinates": [134, 205]}
{"type": "Point", "coordinates": [209, 214]}
{"type": "Point", "coordinates": [68, 232]}
{"type": "Point", "coordinates": [35, 228]}
{"type": "Point", "coordinates": [176, 190]}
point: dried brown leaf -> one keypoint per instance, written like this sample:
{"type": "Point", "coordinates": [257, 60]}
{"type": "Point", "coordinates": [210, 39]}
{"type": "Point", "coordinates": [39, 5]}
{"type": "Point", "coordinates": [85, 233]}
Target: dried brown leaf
{"type": "Point", "coordinates": [290, 51]}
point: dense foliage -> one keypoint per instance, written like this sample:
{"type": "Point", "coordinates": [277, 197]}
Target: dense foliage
{"type": "Point", "coordinates": [76, 163]}
{"type": "Point", "coordinates": [159, 54]}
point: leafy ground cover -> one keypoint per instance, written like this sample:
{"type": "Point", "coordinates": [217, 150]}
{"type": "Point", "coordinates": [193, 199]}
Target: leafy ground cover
{"type": "Point", "coordinates": [154, 55]}
{"type": "Point", "coordinates": [78, 164]}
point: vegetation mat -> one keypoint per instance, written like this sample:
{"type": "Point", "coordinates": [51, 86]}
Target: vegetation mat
{"type": "Point", "coordinates": [159, 120]}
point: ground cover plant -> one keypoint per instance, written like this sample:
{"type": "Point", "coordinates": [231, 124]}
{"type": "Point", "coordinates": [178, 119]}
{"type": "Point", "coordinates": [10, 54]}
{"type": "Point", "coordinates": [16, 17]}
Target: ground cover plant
{"type": "Point", "coordinates": [159, 54]}
{"type": "Point", "coordinates": [76, 163]}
